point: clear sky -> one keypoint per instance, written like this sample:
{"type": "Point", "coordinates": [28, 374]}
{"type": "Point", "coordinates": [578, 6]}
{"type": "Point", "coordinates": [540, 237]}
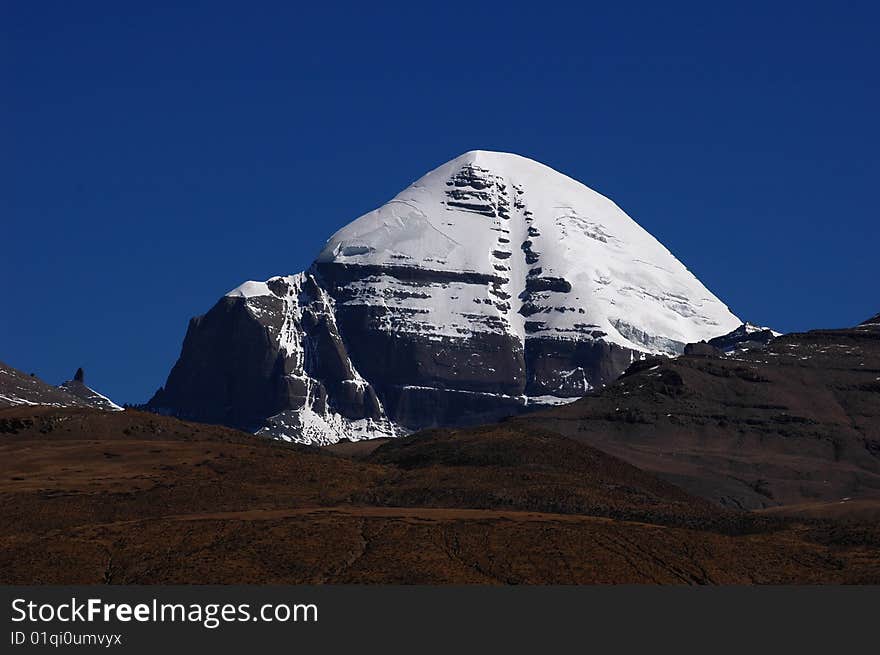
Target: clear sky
{"type": "Point", "coordinates": [155, 155]}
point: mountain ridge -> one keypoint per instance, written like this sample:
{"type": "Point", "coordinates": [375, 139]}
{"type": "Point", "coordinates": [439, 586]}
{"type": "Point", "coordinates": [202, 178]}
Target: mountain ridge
{"type": "Point", "coordinates": [18, 388]}
{"type": "Point", "coordinates": [792, 421]}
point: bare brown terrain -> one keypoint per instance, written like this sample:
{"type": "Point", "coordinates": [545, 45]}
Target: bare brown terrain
{"type": "Point", "coordinates": [127, 497]}
{"type": "Point", "coordinates": [867, 510]}
{"type": "Point", "coordinates": [795, 423]}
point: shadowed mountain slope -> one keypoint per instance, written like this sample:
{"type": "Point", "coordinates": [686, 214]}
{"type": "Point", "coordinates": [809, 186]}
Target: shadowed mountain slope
{"type": "Point", "coordinates": [797, 421]}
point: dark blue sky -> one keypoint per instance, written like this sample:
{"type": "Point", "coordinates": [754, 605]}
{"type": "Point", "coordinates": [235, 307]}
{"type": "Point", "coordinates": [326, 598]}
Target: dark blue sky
{"type": "Point", "coordinates": [153, 157]}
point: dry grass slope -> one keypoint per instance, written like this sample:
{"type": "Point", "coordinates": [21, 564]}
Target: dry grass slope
{"type": "Point", "coordinates": [93, 497]}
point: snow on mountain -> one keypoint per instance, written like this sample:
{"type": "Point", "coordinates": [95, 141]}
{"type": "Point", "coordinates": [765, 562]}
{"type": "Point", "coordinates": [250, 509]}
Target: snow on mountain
{"type": "Point", "coordinates": [746, 337]}
{"type": "Point", "coordinates": [77, 387]}
{"type": "Point", "coordinates": [490, 284]}
{"type": "Point", "coordinates": [874, 320]}
{"type": "Point", "coordinates": [567, 260]}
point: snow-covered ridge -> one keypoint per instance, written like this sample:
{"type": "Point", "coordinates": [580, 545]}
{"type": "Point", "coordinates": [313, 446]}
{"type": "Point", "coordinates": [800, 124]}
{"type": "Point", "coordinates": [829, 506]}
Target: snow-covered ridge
{"type": "Point", "coordinates": [250, 289]}
{"type": "Point", "coordinates": [572, 263]}
{"type": "Point", "coordinates": [751, 328]}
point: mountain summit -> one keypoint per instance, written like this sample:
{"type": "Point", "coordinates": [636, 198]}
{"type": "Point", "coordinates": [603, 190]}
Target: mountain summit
{"type": "Point", "coordinates": [491, 283]}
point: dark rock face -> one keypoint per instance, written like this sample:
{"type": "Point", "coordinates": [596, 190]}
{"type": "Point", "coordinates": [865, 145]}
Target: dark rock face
{"type": "Point", "coordinates": [383, 347]}
{"type": "Point", "coordinates": [797, 421]}
{"type": "Point", "coordinates": [256, 362]}
{"type": "Point", "coordinates": [229, 369]}
{"type": "Point", "coordinates": [745, 337]}
{"type": "Point", "coordinates": [702, 349]}
{"type": "Point", "coordinates": [571, 368]}
{"type": "Point", "coordinates": [417, 408]}
{"type": "Point", "coordinates": [253, 358]}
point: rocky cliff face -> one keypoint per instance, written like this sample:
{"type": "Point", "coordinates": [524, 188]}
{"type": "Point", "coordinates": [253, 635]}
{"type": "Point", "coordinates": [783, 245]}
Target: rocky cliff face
{"type": "Point", "coordinates": [269, 357]}
{"type": "Point", "coordinates": [491, 284]}
{"type": "Point", "coordinates": [745, 337]}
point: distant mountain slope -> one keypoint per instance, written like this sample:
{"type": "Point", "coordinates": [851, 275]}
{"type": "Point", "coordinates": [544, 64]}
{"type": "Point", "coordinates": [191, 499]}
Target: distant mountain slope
{"type": "Point", "coordinates": [491, 284]}
{"type": "Point", "coordinates": [78, 388]}
{"type": "Point", "coordinates": [514, 466]}
{"type": "Point", "coordinates": [796, 422]}
{"type": "Point", "coordinates": [18, 388]}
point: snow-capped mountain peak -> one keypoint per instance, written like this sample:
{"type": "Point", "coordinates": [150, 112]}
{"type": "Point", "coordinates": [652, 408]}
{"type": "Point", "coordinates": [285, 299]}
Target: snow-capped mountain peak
{"type": "Point", "coordinates": [559, 259]}
{"type": "Point", "coordinates": [490, 284]}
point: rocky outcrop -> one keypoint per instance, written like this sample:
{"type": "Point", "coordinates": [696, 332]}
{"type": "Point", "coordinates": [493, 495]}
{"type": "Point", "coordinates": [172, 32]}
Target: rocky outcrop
{"type": "Point", "coordinates": [745, 337]}
{"type": "Point", "coordinates": [702, 349]}
{"type": "Point", "coordinates": [77, 387]}
{"type": "Point", "coordinates": [270, 358]}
